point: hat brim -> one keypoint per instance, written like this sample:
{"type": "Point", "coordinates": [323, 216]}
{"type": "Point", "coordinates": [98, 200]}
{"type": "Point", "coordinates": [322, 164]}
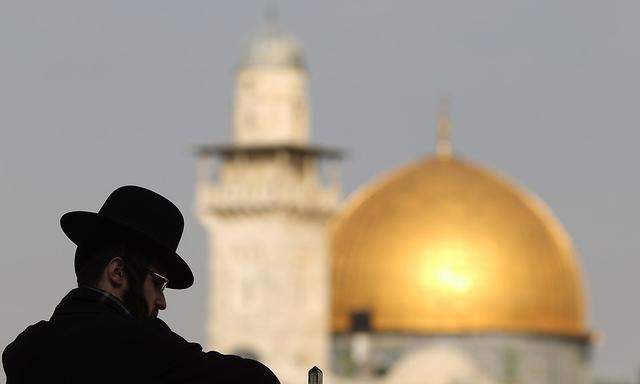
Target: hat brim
{"type": "Point", "coordinates": [81, 226]}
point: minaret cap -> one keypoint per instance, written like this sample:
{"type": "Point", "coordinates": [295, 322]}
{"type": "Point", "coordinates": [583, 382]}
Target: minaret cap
{"type": "Point", "coordinates": [443, 146]}
{"type": "Point", "coordinates": [272, 46]}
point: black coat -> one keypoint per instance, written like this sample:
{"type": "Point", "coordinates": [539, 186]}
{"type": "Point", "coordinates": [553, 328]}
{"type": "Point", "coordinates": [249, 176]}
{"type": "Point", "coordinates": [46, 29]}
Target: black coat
{"type": "Point", "coordinates": [92, 340]}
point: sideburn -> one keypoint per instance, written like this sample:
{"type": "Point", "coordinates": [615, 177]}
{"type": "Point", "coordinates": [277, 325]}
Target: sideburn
{"type": "Point", "coordinates": [133, 298]}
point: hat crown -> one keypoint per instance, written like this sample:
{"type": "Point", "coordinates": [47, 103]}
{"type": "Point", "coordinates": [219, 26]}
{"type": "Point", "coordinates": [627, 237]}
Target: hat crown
{"type": "Point", "coordinates": [147, 212]}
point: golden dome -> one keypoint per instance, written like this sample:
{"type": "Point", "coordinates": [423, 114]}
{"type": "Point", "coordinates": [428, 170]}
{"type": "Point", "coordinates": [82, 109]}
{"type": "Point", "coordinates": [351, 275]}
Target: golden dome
{"type": "Point", "coordinates": [445, 246]}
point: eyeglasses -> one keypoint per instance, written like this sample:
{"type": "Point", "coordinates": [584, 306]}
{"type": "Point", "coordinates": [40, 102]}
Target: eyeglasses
{"type": "Point", "coordinates": [158, 280]}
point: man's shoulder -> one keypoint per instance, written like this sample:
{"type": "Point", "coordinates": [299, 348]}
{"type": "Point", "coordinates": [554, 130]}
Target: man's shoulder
{"type": "Point", "coordinates": [34, 329]}
{"type": "Point", "coordinates": [25, 347]}
{"type": "Point", "coordinates": [30, 335]}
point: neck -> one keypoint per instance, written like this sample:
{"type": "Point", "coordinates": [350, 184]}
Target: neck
{"type": "Point", "coordinates": [104, 294]}
{"type": "Point", "coordinates": [115, 292]}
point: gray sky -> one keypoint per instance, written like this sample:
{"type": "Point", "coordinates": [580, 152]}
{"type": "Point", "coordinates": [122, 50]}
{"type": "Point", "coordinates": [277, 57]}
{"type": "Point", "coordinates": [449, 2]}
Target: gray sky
{"type": "Point", "coordinates": [97, 94]}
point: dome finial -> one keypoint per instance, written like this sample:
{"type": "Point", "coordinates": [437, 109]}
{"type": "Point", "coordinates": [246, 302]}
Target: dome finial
{"type": "Point", "coordinates": [443, 147]}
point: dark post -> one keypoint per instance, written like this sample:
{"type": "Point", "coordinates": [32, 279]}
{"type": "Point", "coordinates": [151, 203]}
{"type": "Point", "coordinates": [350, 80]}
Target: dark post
{"type": "Point", "coordinates": [315, 376]}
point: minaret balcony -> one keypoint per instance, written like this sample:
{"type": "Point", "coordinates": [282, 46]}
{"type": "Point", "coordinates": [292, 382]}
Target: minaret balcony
{"type": "Point", "coordinates": [305, 199]}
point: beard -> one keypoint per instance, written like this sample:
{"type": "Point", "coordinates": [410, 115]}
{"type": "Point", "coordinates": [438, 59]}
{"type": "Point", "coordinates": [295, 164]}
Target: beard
{"type": "Point", "coordinates": [134, 301]}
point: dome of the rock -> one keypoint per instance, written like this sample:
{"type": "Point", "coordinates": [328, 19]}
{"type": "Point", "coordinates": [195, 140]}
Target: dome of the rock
{"type": "Point", "coordinates": [446, 246]}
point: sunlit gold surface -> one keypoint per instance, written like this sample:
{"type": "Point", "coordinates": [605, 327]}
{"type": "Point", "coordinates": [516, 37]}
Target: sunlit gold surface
{"type": "Point", "coordinates": [446, 246]}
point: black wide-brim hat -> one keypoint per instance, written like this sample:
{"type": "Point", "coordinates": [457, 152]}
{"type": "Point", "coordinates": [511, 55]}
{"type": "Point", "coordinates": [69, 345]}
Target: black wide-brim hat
{"type": "Point", "coordinates": [140, 213]}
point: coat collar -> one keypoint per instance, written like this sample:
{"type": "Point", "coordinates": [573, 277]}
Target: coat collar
{"type": "Point", "coordinates": [89, 300]}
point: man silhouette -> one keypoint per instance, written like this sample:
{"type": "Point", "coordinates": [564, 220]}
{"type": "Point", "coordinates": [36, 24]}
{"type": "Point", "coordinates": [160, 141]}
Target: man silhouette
{"type": "Point", "coordinates": [107, 330]}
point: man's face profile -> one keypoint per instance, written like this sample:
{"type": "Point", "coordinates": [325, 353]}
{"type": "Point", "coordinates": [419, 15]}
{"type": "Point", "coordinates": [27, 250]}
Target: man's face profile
{"type": "Point", "coordinates": [153, 290]}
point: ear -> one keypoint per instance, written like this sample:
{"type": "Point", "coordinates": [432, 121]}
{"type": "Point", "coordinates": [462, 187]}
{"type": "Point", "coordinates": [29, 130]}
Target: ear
{"type": "Point", "coordinates": [115, 272]}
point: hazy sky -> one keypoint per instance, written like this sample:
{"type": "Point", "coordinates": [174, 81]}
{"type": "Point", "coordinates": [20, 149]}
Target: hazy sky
{"type": "Point", "coordinates": [97, 94]}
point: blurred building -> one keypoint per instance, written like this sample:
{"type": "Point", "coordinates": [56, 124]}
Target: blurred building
{"type": "Point", "coordinates": [442, 271]}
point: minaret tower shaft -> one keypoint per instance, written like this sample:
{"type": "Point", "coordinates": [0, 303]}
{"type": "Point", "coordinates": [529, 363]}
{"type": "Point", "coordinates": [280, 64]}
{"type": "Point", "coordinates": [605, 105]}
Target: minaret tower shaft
{"type": "Point", "coordinates": [266, 209]}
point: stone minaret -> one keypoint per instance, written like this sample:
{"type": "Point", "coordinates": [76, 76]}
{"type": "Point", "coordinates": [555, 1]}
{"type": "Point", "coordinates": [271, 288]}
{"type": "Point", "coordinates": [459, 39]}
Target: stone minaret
{"type": "Point", "coordinates": [265, 208]}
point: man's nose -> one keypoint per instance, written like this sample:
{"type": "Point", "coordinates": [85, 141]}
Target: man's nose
{"type": "Point", "coordinates": [161, 302]}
